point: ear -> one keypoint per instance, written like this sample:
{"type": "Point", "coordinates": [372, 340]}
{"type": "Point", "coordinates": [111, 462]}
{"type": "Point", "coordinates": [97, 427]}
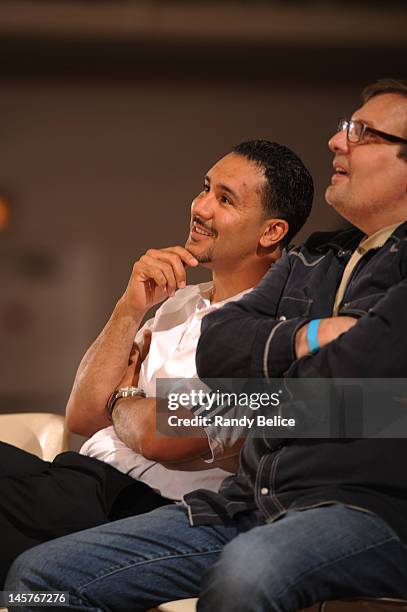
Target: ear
{"type": "Point", "coordinates": [272, 232]}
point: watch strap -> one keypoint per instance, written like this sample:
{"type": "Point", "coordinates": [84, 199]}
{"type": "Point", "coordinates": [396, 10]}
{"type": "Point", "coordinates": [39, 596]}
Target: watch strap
{"type": "Point", "coordinates": [120, 393]}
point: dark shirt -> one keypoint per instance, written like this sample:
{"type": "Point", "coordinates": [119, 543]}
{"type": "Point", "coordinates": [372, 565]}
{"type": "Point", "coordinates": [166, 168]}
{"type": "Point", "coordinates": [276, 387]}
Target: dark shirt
{"type": "Point", "coordinates": [255, 337]}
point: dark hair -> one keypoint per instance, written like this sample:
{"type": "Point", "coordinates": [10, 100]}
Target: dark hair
{"type": "Point", "coordinates": [289, 189]}
{"type": "Point", "coordinates": [385, 86]}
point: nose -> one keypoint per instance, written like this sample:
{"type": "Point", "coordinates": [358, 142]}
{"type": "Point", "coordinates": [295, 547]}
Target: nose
{"type": "Point", "coordinates": [203, 205]}
{"type": "Point", "coordinates": [339, 142]}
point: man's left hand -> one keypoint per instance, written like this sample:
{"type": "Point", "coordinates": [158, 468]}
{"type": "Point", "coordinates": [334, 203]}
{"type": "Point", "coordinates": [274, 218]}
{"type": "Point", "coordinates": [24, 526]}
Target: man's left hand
{"type": "Point", "coordinates": [136, 358]}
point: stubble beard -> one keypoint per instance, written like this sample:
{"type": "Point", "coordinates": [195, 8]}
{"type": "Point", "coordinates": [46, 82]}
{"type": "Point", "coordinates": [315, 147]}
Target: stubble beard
{"type": "Point", "coordinates": [205, 257]}
{"type": "Point", "coordinates": [355, 213]}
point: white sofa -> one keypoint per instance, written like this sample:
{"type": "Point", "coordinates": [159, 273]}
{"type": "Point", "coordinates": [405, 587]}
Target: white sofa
{"type": "Point", "coordinates": [40, 433]}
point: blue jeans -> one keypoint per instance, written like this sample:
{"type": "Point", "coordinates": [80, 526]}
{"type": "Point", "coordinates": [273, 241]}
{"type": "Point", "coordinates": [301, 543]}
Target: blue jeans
{"type": "Point", "coordinates": [321, 553]}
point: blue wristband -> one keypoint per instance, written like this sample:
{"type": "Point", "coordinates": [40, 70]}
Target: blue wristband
{"type": "Point", "coordinates": [312, 335]}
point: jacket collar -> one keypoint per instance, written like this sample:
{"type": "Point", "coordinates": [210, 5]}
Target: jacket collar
{"type": "Point", "coordinates": [345, 241]}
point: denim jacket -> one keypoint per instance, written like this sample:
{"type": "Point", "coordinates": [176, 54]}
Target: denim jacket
{"type": "Point", "coordinates": [255, 337]}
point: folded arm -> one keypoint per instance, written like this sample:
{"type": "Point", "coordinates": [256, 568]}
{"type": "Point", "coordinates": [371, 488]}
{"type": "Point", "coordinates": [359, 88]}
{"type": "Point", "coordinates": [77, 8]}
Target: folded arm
{"type": "Point", "coordinates": [374, 347]}
{"type": "Point", "coordinates": [100, 372]}
{"type": "Point", "coordinates": [230, 336]}
{"type": "Point", "coordinates": [244, 339]}
{"type": "Point", "coordinates": [135, 422]}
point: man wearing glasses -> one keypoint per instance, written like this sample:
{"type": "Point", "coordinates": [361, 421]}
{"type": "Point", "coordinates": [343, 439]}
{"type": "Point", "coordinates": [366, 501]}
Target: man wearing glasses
{"type": "Point", "coordinates": [305, 520]}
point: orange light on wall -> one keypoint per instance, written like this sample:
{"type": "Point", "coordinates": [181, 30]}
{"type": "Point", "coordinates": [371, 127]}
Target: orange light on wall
{"type": "Point", "coordinates": [4, 213]}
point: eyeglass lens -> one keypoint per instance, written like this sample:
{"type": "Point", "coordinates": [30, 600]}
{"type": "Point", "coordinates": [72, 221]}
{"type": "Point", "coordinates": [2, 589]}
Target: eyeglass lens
{"type": "Point", "coordinates": [355, 131]}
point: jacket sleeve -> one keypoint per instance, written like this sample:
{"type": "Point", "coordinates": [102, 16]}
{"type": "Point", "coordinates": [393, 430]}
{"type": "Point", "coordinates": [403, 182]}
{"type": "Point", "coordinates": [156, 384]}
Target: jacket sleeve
{"type": "Point", "coordinates": [373, 348]}
{"type": "Point", "coordinates": [233, 338]}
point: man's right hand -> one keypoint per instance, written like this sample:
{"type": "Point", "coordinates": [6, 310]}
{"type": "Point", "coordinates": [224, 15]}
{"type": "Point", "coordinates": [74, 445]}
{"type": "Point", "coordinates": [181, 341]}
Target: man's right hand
{"type": "Point", "coordinates": [156, 276]}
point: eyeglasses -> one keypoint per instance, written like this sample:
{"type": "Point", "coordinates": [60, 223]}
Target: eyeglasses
{"type": "Point", "coordinates": [356, 130]}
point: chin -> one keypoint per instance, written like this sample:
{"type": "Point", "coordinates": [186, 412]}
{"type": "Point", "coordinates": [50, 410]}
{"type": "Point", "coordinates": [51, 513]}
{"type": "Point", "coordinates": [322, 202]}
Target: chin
{"type": "Point", "coordinates": [338, 195]}
{"type": "Point", "coordinates": [204, 259]}
{"type": "Point", "coordinates": [329, 195]}
{"type": "Point", "coordinates": [335, 202]}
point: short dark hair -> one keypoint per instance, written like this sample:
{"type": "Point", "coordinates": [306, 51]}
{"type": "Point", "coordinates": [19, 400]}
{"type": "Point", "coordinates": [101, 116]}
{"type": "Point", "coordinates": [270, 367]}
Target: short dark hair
{"type": "Point", "coordinates": [289, 189]}
{"type": "Point", "coordinates": [385, 86]}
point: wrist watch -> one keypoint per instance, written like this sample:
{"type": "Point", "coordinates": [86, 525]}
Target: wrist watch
{"type": "Point", "coordinates": [119, 394]}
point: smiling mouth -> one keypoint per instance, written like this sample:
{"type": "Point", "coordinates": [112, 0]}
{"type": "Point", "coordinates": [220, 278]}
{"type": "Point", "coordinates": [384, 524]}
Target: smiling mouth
{"type": "Point", "coordinates": [200, 230]}
{"type": "Point", "coordinates": [340, 174]}
{"type": "Point", "coordinates": [339, 170]}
